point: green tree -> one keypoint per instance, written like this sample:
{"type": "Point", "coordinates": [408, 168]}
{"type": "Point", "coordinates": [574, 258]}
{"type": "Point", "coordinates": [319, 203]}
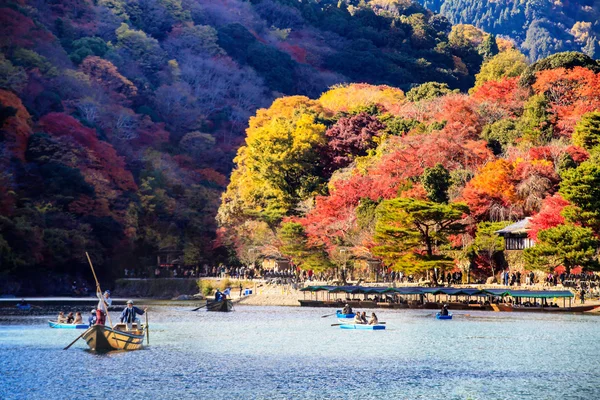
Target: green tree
{"type": "Point", "coordinates": [488, 48]}
{"type": "Point", "coordinates": [581, 187]}
{"type": "Point", "coordinates": [436, 182]}
{"type": "Point", "coordinates": [429, 90]}
{"type": "Point", "coordinates": [501, 134]}
{"type": "Point", "coordinates": [87, 46]}
{"type": "Point", "coordinates": [408, 233]}
{"type": "Point", "coordinates": [488, 244]}
{"type": "Point", "coordinates": [294, 244]}
{"type": "Point", "coordinates": [507, 64]}
{"type": "Point", "coordinates": [535, 122]}
{"type": "Point", "coordinates": [567, 245]}
{"type": "Point", "coordinates": [587, 131]}
{"type": "Point", "coordinates": [568, 59]}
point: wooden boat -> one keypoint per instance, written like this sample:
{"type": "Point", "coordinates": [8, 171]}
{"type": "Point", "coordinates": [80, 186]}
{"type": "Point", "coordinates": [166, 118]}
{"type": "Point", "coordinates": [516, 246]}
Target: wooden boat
{"type": "Point", "coordinates": [222, 305]}
{"type": "Point", "coordinates": [440, 316]}
{"type": "Point", "coordinates": [510, 308]}
{"type": "Point", "coordinates": [363, 327]}
{"type": "Point", "coordinates": [104, 338]}
{"type": "Point", "coordinates": [341, 315]}
{"type": "Point", "coordinates": [57, 325]}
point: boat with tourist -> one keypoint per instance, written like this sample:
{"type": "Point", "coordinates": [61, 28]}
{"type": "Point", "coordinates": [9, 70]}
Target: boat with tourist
{"type": "Point", "coordinates": [221, 305]}
{"type": "Point", "coordinates": [440, 316]}
{"type": "Point", "coordinates": [58, 325]}
{"type": "Point", "coordinates": [103, 338]}
{"type": "Point", "coordinates": [340, 315]}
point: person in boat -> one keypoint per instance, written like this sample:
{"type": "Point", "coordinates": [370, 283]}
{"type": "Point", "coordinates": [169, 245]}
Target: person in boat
{"type": "Point", "coordinates": [582, 295]}
{"type": "Point", "coordinates": [373, 320]}
{"type": "Point", "coordinates": [70, 318]}
{"type": "Point", "coordinates": [218, 295]}
{"type": "Point", "coordinates": [358, 318]}
{"type": "Point", "coordinates": [78, 318]}
{"type": "Point", "coordinates": [61, 318]}
{"type": "Point", "coordinates": [22, 303]}
{"type": "Point", "coordinates": [92, 317]}
{"type": "Point", "coordinates": [444, 310]}
{"type": "Point", "coordinates": [347, 309]}
{"type": "Point", "coordinates": [104, 301]}
{"type": "Point", "coordinates": [363, 318]}
{"type": "Point", "coordinates": [130, 313]}
{"type": "Point", "coordinates": [226, 293]}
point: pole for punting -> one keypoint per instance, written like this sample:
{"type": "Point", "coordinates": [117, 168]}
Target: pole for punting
{"type": "Point", "coordinates": [147, 329]}
{"type": "Point", "coordinates": [98, 286]}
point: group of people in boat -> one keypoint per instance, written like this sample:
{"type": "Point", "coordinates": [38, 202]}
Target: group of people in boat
{"type": "Point", "coordinates": [70, 318]}
{"type": "Point", "coordinates": [361, 318]}
{"type": "Point", "coordinates": [129, 315]}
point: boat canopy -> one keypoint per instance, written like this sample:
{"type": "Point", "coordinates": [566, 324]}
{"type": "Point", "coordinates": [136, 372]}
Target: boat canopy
{"type": "Point", "coordinates": [543, 294]}
{"type": "Point", "coordinates": [450, 291]}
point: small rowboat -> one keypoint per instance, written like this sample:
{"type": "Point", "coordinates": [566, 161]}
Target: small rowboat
{"type": "Point", "coordinates": [440, 316]}
{"type": "Point", "coordinates": [221, 305]}
{"type": "Point", "coordinates": [104, 338]}
{"type": "Point", "coordinates": [341, 315]}
{"type": "Point", "coordinates": [363, 327]}
{"type": "Point", "coordinates": [54, 324]}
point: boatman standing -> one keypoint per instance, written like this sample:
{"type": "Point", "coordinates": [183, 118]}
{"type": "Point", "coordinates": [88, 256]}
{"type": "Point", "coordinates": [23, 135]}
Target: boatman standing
{"type": "Point", "coordinates": [130, 313]}
{"type": "Point", "coordinates": [104, 302]}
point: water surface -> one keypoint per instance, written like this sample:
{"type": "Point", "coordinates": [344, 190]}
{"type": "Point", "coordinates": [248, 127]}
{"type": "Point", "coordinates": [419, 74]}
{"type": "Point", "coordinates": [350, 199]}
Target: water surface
{"type": "Point", "coordinates": [293, 353]}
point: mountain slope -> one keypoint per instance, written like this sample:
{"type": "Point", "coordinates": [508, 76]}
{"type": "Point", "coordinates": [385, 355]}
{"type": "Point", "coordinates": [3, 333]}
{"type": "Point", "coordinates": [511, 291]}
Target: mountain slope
{"type": "Point", "coordinates": [540, 27]}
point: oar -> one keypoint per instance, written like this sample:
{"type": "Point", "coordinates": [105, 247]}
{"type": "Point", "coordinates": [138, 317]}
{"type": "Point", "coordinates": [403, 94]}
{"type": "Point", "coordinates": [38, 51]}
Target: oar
{"type": "Point", "coordinates": [78, 337]}
{"type": "Point", "coordinates": [197, 308]}
{"type": "Point", "coordinates": [328, 315]}
{"type": "Point", "coordinates": [351, 323]}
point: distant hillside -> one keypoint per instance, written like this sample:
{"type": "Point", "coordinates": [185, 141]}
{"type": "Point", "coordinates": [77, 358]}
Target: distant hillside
{"type": "Point", "coordinates": [540, 27]}
{"type": "Point", "coordinates": [120, 119]}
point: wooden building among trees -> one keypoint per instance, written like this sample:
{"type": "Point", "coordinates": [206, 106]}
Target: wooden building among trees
{"type": "Point", "coordinates": [515, 235]}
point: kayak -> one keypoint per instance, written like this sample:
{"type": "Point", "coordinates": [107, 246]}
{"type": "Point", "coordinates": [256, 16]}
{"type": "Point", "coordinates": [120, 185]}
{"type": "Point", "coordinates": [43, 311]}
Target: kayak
{"type": "Point", "coordinates": [24, 307]}
{"type": "Point", "coordinates": [339, 314]}
{"type": "Point", "coordinates": [440, 316]}
{"type": "Point", "coordinates": [363, 327]}
{"type": "Point", "coordinates": [54, 324]}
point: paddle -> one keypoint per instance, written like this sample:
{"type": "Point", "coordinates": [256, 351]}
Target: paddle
{"type": "Point", "coordinates": [380, 323]}
{"type": "Point", "coordinates": [328, 315]}
{"type": "Point", "coordinates": [78, 337]}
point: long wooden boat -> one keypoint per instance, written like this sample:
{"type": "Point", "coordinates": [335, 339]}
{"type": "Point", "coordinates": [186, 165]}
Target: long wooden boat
{"type": "Point", "coordinates": [363, 327]}
{"type": "Point", "coordinates": [54, 324]}
{"type": "Point", "coordinates": [222, 305]}
{"type": "Point", "coordinates": [510, 308]}
{"type": "Point", "coordinates": [103, 338]}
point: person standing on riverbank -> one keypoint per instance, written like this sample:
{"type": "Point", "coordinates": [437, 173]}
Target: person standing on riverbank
{"type": "Point", "coordinates": [104, 301]}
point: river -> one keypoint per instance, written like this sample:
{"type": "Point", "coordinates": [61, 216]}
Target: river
{"type": "Point", "coordinates": [293, 353]}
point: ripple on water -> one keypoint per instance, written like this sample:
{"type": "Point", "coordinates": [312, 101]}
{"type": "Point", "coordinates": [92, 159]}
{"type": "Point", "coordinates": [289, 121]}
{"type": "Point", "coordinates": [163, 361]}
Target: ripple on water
{"type": "Point", "coordinates": [281, 353]}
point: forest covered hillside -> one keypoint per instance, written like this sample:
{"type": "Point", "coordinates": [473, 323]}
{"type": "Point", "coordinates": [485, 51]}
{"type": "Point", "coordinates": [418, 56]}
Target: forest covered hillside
{"type": "Point", "coordinates": [368, 177]}
{"type": "Point", "coordinates": [540, 27]}
{"type": "Point", "coordinates": [120, 119]}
